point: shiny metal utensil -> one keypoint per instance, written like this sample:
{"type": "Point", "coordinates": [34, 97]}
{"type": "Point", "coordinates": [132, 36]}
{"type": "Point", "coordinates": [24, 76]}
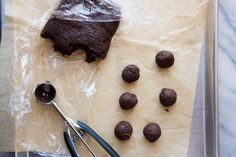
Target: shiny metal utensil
{"type": "Point", "coordinates": [45, 93]}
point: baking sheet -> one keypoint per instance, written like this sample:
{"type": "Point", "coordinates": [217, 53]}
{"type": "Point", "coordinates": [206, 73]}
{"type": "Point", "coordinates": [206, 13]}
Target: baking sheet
{"type": "Point", "coordinates": [122, 51]}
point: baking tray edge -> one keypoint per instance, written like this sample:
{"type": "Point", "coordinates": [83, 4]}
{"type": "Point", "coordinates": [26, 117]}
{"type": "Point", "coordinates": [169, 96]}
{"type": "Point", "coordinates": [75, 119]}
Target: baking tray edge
{"type": "Point", "coordinates": [211, 128]}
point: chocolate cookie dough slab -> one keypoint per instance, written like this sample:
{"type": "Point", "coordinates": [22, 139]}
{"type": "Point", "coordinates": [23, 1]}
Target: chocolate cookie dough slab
{"type": "Point", "coordinates": [90, 92]}
{"type": "Point", "coordinates": [79, 24]}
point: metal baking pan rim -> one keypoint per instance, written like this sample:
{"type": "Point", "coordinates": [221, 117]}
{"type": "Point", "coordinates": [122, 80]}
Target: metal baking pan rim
{"type": "Point", "coordinates": [211, 109]}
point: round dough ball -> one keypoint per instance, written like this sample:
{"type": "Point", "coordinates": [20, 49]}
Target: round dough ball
{"type": "Point", "coordinates": [123, 130]}
{"type": "Point", "coordinates": [152, 132]}
{"type": "Point", "coordinates": [168, 97]}
{"type": "Point", "coordinates": [131, 73]}
{"type": "Point", "coordinates": [165, 59]}
{"type": "Point", "coordinates": [128, 101]}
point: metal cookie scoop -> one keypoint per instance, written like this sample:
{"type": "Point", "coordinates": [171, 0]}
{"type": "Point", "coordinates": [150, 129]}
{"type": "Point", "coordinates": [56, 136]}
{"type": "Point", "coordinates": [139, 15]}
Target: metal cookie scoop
{"type": "Point", "coordinates": [45, 93]}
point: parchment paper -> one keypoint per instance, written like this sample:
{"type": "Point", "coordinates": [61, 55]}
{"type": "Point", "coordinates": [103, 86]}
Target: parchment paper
{"type": "Point", "coordinates": [90, 92]}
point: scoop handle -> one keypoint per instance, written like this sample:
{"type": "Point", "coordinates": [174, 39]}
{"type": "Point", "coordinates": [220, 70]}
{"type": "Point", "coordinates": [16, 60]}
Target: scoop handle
{"type": "Point", "coordinates": [70, 145]}
{"type": "Point", "coordinates": [84, 127]}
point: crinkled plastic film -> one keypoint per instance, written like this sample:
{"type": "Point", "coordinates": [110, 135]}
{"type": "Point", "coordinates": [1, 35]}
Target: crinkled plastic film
{"type": "Point", "coordinates": [88, 10]}
{"type": "Point", "coordinates": [90, 92]}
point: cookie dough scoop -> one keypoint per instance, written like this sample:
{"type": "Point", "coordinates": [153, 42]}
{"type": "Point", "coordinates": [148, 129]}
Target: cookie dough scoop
{"type": "Point", "coordinates": [45, 94]}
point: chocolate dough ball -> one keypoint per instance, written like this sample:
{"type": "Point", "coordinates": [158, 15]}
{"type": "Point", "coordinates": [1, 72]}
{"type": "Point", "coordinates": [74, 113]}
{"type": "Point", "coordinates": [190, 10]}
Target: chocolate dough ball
{"type": "Point", "coordinates": [131, 73]}
{"type": "Point", "coordinates": [128, 101]}
{"type": "Point", "coordinates": [168, 97]}
{"type": "Point", "coordinates": [165, 59]}
{"type": "Point", "coordinates": [123, 130]}
{"type": "Point", "coordinates": [152, 132]}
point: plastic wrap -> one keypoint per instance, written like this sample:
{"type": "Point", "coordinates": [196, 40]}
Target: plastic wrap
{"type": "Point", "coordinates": [90, 92]}
{"type": "Point", "coordinates": [89, 10]}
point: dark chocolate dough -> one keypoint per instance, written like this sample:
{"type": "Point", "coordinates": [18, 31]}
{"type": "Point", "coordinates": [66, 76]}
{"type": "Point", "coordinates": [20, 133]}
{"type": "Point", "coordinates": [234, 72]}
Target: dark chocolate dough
{"type": "Point", "coordinates": [128, 101]}
{"type": "Point", "coordinates": [45, 92]}
{"type": "Point", "coordinates": [168, 97]}
{"type": "Point", "coordinates": [83, 24]}
{"type": "Point", "coordinates": [152, 132]}
{"type": "Point", "coordinates": [123, 130]}
{"type": "Point", "coordinates": [131, 73]}
{"type": "Point", "coordinates": [165, 59]}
